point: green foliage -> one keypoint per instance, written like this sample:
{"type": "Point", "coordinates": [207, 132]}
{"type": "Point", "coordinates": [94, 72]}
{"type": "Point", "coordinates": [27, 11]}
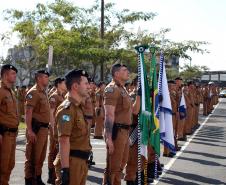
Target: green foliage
{"type": "Point", "coordinates": [192, 72]}
{"type": "Point", "coordinates": [74, 34]}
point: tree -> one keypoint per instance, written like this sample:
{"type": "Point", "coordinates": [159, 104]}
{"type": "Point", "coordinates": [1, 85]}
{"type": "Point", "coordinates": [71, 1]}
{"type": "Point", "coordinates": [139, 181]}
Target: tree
{"type": "Point", "coordinates": [192, 72]}
{"type": "Point", "coordinates": [74, 34]}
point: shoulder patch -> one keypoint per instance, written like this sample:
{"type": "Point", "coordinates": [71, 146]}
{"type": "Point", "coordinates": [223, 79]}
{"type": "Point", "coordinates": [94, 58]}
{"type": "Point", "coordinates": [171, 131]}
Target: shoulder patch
{"type": "Point", "coordinates": [109, 89]}
{"type": "Point", "coordinates": [66, 104]}
{"type": "Point", "coordinates": [52, 99]}
{"type": "Point", "coordinates": [65, 118]}
{"type": "Point", "coordinates": [29, 96]}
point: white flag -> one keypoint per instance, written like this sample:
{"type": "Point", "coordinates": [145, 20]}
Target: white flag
{"type": "Point", "coordinates": [165, 118]}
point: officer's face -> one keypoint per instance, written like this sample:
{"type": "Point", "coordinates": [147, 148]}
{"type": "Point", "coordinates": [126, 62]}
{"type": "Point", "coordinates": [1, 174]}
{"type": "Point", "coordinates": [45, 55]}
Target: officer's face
{"type": "Point", "coordinates": [62, 86]}
{"type": "Point", "coordinates": [179, 83]}
{"type": "Point", "coordinates": [83, 87]}
{"type": "Point", "coordinates": [124, 73]}
{"type": "Point", "coordinates": [11, 76]}
{"type": "Point", "coordinates": [44, 80]}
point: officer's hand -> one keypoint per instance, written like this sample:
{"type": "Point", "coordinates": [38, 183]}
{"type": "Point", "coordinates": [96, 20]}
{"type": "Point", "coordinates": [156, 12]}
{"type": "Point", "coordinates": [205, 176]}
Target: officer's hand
{"type": "Point", "coordinates": [64, 176]}
{"type": "Point", "coordinates": [110, 146]}
{"type": "Point", "coordinates": [31, 136]}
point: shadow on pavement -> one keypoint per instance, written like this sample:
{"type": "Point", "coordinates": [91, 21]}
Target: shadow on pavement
{"type": "Point", "coordinates": [206, 155]}
{"type": "Point", "coordinates": [95, 169]}
{"type": "Point", "coordinates": [176, 181]}
{"type": "Point", "coordinates": [97, 180]}
{"type": "Point", "coordinates": [204, 143]}
{"type": "Point", "coordinates": [203, 162]}
{"type": "Point", "coordinates": [208, 140]}
{"type": "Point", "coordinates": [194, 177]}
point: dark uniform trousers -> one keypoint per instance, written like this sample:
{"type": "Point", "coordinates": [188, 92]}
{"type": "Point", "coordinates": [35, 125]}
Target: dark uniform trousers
{"type": "Point", "coordinates": [7, 156]}
{"type": "Point", "coordinates": [36, 152]}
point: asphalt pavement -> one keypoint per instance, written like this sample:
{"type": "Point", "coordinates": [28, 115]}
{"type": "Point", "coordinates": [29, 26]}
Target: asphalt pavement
{"type": "Point", "coordinates": [201, 161]}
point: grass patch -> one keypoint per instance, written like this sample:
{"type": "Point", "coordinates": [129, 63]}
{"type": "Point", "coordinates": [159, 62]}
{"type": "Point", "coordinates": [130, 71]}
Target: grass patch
{"type": "Point", "coordinates": [22, 126]}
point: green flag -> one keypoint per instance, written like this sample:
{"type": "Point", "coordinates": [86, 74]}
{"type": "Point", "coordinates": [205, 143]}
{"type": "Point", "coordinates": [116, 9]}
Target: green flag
{"type": "Point", "coordinates": [154, 127]}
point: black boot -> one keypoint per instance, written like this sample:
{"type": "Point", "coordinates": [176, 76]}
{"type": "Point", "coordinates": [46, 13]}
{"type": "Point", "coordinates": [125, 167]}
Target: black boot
{"type": "Point", "coordinates": [51, 179]}
{"type": "Point", "coordinates": [28, 181]}
{"type": "Point", "coordinates": [151, 171]}
{"type": "Point", "coordinates": [39, 180]}
{"type": "Point", "coordinates": [130, 183]}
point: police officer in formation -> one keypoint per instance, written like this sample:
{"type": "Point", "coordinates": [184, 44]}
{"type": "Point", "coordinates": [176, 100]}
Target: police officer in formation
{"type": "Point", "coordinates": [9, 122]}
{"type": "Point", "coordinates": [68, 118]}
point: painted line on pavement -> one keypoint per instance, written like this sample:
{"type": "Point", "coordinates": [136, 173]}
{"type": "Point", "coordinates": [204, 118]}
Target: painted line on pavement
{"type": "Point", "coordinates": [171, 162]}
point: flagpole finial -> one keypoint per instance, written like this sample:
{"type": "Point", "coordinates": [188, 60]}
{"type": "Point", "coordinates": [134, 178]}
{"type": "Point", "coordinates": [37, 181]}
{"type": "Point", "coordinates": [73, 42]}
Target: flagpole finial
{"type": "Point", "coordinates": [141, 48]}
{"type": "Point", "coordinates": [152, 48]}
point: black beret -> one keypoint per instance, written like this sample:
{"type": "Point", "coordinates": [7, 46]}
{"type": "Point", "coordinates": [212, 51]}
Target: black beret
{"type": "Point", "coordinates": [42, 71]}
{"type": "Point", "coordinates": [91, 80]}
{"type": "Point", "coordinates": [8, 67]}
{"type": "Point", "coordinates": [58, 80]}
{"type": "Point", "coordinates": [101, 83]}
{"type": "Point", "coordinates": [76, 73]}
{"type": "Point", "coordinates": [178, 78]}
{"type": "Point", "coordinates": [190, 83]}
{"type": "Point", "coordinates": [171, 82]}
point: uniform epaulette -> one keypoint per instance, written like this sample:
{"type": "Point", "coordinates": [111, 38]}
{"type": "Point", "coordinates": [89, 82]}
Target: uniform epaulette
{"type": "Point", "coordinates": [66, 104]}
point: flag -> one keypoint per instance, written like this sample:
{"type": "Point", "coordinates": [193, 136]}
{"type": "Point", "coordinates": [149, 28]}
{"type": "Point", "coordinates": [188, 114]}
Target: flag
{"type": "Point", "coordinates": [165, 117]}
{"type": "Point", "coordinates": [182, 107]}
{"type": "Point", "coordinates": [154, 132]}
{"type": "Point", "coordinates": [145, 108]}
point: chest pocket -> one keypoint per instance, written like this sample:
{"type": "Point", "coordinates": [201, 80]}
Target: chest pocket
{"type": "Point", "coordinates": [44, 106]}
{"type": "Point", "coordinates": [9, 104]}
{"type": "Point", "coordinates": [126, 101]}
{"type": "Point", "coordinates": [81, 125]}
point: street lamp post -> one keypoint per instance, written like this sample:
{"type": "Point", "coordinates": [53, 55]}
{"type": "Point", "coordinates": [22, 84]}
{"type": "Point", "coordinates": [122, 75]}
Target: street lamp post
{"type": "Point", "coordinates": [102, 37]}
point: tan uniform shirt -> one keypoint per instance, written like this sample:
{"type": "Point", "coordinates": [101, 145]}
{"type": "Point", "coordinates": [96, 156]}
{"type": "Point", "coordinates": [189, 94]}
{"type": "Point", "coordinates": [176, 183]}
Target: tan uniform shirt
{"type": "Point", "coordinates": [38, 99]}
{"type": "Point", "coordinates": [8, 107]}
{"type": "Point", "coordinates": [174, 102]}
{"type": "Point", "coordinates": [117, 96]}
{"type": "Point", "coordinates": [55, 100]}
{"type": "Point", "coordinates": [70, 122]}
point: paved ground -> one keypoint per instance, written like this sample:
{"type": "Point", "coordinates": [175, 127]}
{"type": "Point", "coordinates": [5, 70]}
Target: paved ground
{"type": "Point", "coordinates": [202, 161]}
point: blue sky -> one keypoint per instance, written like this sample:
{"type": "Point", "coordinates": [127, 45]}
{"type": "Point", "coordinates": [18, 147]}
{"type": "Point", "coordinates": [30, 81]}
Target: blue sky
{"type": "Point", "coordinates": [203, 20]}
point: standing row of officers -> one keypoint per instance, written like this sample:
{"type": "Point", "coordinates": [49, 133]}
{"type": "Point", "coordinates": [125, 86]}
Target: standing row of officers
{"type": "Point", "coordinates": [67, 113]}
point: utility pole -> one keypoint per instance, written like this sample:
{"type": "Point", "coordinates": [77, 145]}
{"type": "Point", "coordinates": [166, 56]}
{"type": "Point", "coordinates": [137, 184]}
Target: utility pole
{"type": "Point", "coordinates": [102, 37]}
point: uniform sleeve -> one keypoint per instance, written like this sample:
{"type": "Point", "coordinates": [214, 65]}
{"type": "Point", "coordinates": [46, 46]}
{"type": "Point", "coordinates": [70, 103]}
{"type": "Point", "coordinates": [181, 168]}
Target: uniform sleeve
{"type": "Point", "coordinates": [64, 120]}
{"type": "Point", "coordinates": [52, 102]}
{"type": "Point", "coordinates": [32, 98]}
{"type": "Point", "coordinates": [111, 96]}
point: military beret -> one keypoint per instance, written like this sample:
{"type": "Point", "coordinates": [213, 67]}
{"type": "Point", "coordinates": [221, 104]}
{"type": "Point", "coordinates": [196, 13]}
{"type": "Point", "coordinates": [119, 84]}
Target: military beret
{"type": "Point", "coordinates": [190, 83]}
{"type": "Point", "coordinates": [171, 82]}
{"type": "Point", "coordinates": [76, 73]}
{"type": "Point", "coordinates": [91, 80]}
{"type": "Point", "coordinates": [42, 71]}
{"type": "Point", "coordinates": [8, 67]}
{"type": "Point", "coordinates": [101, 83]}
{"type": "Point", "coordinates": [178, 78]}
{"type": "Point", "coordinates": [58, 80]}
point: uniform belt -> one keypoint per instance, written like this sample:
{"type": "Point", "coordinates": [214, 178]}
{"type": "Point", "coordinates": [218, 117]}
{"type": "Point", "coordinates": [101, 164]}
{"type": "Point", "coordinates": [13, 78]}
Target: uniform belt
{"type": "Point", "coordinates": [88, 117]}
{"type": "Point", "coordinates": [44, 125]}
{"type": "Point", "coordinates": [173, 113]}
{"type": "Point", "coordinates": [133, 126]}
{"type": "Point", "coordinates": [80, 154]}
{"type": "Point", "coordinates": [6, 129]}
{"type": "Point", "coordinates": [122, 126]}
